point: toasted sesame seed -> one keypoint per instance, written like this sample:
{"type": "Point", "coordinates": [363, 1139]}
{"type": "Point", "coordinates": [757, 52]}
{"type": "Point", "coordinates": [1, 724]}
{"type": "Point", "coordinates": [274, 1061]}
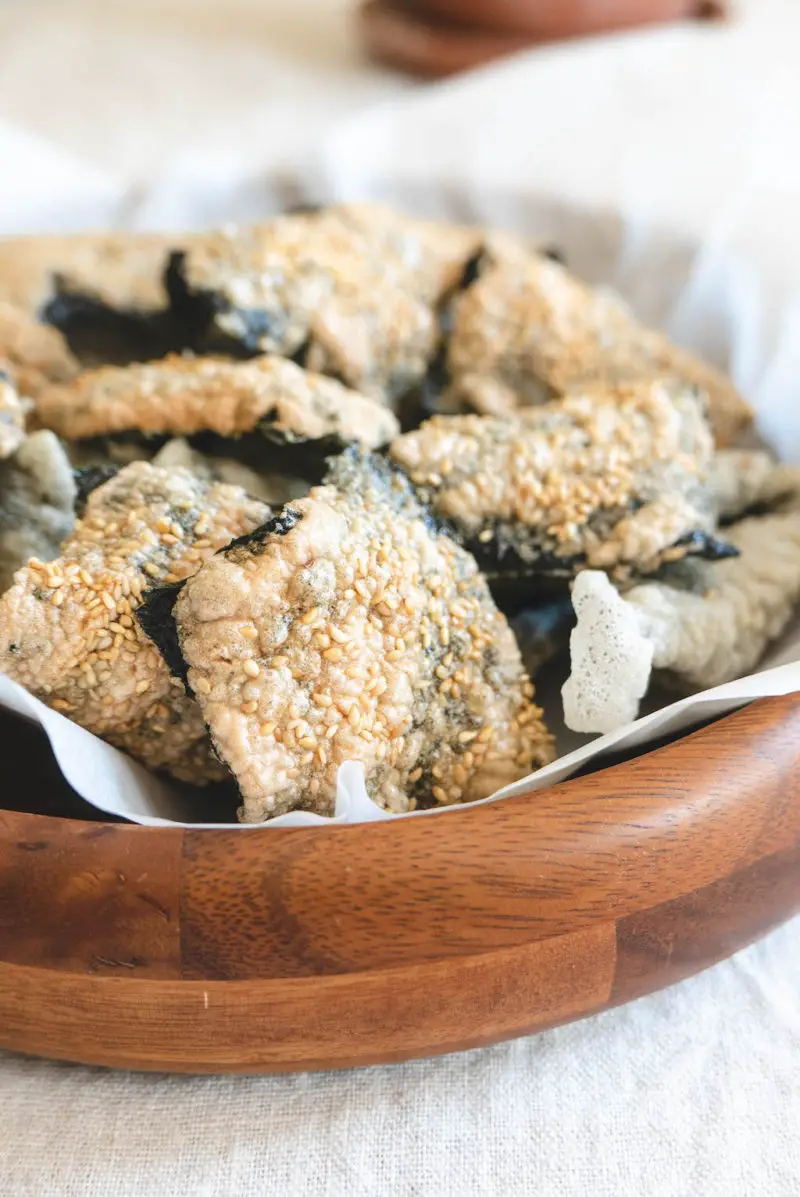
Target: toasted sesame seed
{"type": "Point", "coordinates": [251, 668]}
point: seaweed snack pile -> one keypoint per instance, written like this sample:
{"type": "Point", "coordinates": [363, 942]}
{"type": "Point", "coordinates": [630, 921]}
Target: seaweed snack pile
{"type": "Point", "coordinates": [337, 487]}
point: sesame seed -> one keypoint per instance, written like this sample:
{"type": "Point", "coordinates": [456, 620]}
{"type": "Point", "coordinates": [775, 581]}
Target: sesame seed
{"type": "Point", "coordinates": [202, 685]}
{"type": "Point", "coordinates": [248, 708]}
{"type": "Point", "coordinates": [251, 668]}
{"type": "Point", "coordinates": [333, 654]}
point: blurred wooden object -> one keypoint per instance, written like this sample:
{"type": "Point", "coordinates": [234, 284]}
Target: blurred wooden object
{"type": "Point", "coordinates": [434, 38]}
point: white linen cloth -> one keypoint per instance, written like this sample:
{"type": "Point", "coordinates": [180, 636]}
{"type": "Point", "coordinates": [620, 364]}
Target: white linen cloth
{"type": "Point", "coordinates": [147, 114]}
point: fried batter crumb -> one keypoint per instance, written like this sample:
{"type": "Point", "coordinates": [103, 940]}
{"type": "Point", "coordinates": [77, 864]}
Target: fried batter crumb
{"type": "Point", "coordinates": [528, 331]}
{"type": "Point", "coordinates": [67, 627]}
{"type": "Point", "coordinates": [180, 396]}
{"type": "Point", "coordinates": [351, 629]}
{"type": "Point", "coordinates": [612, 477]}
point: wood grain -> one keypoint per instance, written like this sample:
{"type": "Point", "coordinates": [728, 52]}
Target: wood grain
{"type": "Point", "coordinates": [276, 949]}
{"type": "Point", "coordinates": [435, 38]}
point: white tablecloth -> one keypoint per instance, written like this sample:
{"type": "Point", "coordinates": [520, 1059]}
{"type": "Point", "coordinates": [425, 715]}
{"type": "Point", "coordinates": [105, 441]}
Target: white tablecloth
{"type": "Point", "coordinates": [694, 1091]}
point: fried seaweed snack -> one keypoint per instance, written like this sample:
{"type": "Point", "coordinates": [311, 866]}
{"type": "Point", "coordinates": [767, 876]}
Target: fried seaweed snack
{"type": "Point", "coordinates": [37, 503]}
{"type": "Point", "coordinates": [67, 631]}
{"type": "Point", "coordinates": [181, 396]}
{"type": "Point", "coordinates": [527, 330]}
{"type": "Point", "coordinates": [347, 629]}
{"type": "Point", "coordinates": [33, 354]}
{"type": "Point", "coordinates": [698, 640]}
{"type": "Point", "coordinates": [613, 478]}
{"type": "Point", "coordinates": [12, 417]}
{"type": "Point", "coordinates": [104, 291]}
{"type": "Point", "coordinates": [350, 292]}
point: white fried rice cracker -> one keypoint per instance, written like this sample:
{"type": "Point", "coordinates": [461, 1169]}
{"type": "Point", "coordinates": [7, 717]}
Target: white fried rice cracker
{"type": "Point", "coordinates": [610, 477]}
{"type": "Point", "coordinates": [180, 396]}
{"type": "Point", "coordinates": [34, 354]}
{"type": "Point", "coordinates": [527, 330]}
{"type": "Point", "coordinates": [37, 503]}
{"type": "Point", "coordinates": [353, 289]}
{"type": "Point", "coordinates": [12, 416]}
{"type": "Point", "coordinates": [67, 627]}
{"type": "Point", "coordinates": [350, 629]}
{"type": "Point", "coordinates": [700, 640]}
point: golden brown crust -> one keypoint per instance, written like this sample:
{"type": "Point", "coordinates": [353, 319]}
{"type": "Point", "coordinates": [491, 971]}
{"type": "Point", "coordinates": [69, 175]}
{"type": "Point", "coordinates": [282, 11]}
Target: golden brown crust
{"type": "Point", "coordinates": [123, 270]}
{"type": "Point", "coordinates": [67, 627]}
{"type": "Point", "coordinates": [528, 330]}
{"type": "Point", "coordinates": [180, 396]}
{"type": "Point", "coordinates": [357, 286]}
{"type": "Point", "coordinates": [612, 476]}
{"type": "Point", "coordinates": [352, 631]}
{"type": "Point", "coordinates": [35, 355]}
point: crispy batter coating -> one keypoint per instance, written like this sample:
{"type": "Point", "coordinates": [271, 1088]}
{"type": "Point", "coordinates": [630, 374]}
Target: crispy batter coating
{"type": "Point", "coordinates": [273, 489]}
{"type": "Point", "coordinates": [12, 417]}
{"type": "Point", "coordinates": [528, 330]}
{"type": "Point", "coordinates": [354, 289]}
{"type": "Point", "coordinates": [122, 270]}
{"type": "Point", "coordinates": [33, 354]}
{"type": "Point", "coordinates": [180, 396]}
{"type": "Point", "coordinates": [742, 480]}
{"type": "Point", "coordinates": [67, 631]}
{"type": "Point", "coordinates": [351, 629]}
{"type": "Point", "coordinates": [611, 478]}
{"type": "Point", "coordinates": [37, 503]}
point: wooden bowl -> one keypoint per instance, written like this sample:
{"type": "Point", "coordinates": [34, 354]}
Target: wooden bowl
{"type": "Point", "coordinates": [550, 19]}
{"type": "Point", "coordinates": [273, 950]}
{"type": "Point", "coordinates": [435, 38]}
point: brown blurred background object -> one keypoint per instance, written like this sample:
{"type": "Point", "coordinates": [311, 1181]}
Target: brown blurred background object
{"type": "Point", "coordinates": [434, 38]}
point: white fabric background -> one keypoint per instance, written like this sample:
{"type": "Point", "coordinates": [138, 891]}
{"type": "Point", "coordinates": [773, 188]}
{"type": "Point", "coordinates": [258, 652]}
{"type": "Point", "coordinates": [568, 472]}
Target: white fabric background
{"type": "Point", "coordinates": [148, 113]}
{"type": "Point", "coordinates": [694, 1092]}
